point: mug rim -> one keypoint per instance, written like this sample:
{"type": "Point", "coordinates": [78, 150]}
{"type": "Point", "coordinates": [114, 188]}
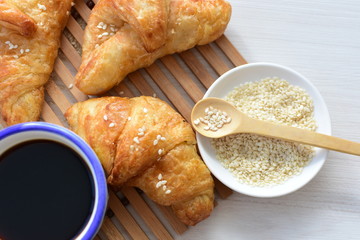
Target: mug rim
{"type": "Point", "coordinates": [97, 172]}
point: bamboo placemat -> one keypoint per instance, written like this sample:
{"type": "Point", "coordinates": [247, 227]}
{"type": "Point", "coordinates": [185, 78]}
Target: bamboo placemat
{"type": "Point", "coordinates": [179, 79]}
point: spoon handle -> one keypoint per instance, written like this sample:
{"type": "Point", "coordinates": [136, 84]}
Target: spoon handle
{"type": "Point", "coordinates": [303, 136]}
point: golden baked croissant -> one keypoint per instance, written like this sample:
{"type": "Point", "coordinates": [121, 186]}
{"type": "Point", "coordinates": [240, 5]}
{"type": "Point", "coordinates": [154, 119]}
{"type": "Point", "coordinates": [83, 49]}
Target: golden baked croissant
{"type": "Point", "coordinates": [29, 40]}
{"type": "Point", "coordinates": [143, 142]}
{"type": "Point", "coordinates": [125, 35]}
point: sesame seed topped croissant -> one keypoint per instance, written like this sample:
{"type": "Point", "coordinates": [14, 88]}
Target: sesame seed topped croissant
{"type": "Point", "coordinates": [29, 40]}
{"type": "Point", "coordinates": [143, 142]}
{"type": "Point", "coordinates": [125, 35]}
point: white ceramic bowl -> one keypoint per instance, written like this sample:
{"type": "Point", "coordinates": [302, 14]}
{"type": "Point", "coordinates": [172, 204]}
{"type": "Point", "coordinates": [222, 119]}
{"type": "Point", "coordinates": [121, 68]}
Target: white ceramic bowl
{"type": "Point", "coordinates": [255, 72]}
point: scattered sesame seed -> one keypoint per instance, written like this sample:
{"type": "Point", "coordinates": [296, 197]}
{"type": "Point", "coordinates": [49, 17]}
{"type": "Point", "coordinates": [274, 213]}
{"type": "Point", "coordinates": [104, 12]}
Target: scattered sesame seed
{"type": "Point", "coordinates": [72, 4]}
{"type": "Point", "coordinates": [160, 151]}
{"type": "Point", "coordinates": [27, 50]}
{"type": "Point", "coordinates": [168, 191]}
{"type": "Point", "coordinates": [158, 137]}
{"type": "Point", "coordinates": [160, 176]}
{"type": "Point", "coordinates": [136, 139]}
{"type": "Point", "coordinates": [163, 139]}
{"type": "Point", "coordinates": [141, 133]}
{"type": "Point", "coordinates": [7, 42]}
{"type": "Point", "coordinates": [100, 36]}
{"type": "Point", "coordinates": [70, 86]}
{"type": "Point", "coordinates": [156, 142]}
{"type": "Point", "coordinates": [129, 118]}
{"type": "Point", "coordinates": [112, 125]}
{"type": "Point", "coordinates": [21, 51]}
{"type": "Point", "coordinates": [105, 117]}
{"type": "Point", "coordinates": [105, 33]}
{"type": "Point", "coordinates": [16, 56]}
{"type": "Point", "coordinates": [132, 147]}
{"type": "Point", "coordinates": [145, 110]}
{"type": "Point", "coordinates": [164, 187]}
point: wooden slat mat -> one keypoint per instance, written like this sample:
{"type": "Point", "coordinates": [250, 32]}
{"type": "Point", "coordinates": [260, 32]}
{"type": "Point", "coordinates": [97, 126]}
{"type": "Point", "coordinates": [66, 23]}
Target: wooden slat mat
{"type": "Point", "coordinates": [179, 79]}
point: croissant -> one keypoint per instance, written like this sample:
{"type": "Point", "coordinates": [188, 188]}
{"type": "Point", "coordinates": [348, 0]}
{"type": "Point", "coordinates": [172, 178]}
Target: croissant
{"type": "Point", "coordinates": [29, 40]}
{"type": "Point", "coordinates": [125, 35]}
{"type": "Point", "coordinates": [143, 142]}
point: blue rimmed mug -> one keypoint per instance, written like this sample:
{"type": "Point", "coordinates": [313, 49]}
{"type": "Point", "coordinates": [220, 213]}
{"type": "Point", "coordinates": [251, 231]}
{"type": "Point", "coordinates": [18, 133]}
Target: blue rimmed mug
{"type": "Point", "coordinates": [24, 132]}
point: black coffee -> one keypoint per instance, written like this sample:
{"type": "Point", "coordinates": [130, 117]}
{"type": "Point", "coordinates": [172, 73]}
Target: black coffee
{"type": "Point", "coordinates": [45, 192]}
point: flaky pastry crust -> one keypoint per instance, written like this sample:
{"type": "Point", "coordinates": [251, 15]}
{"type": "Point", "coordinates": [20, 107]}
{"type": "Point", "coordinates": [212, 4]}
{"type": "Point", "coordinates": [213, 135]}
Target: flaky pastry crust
{"type": "Point", "coordinates": [143, 142]}
{"type": "Point", "coordinates": [29, 40]}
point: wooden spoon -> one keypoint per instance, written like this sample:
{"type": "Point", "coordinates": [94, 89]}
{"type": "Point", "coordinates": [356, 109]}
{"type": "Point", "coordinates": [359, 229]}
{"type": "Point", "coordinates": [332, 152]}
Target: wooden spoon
{"type": "Point", "coordinates": [241, 123]}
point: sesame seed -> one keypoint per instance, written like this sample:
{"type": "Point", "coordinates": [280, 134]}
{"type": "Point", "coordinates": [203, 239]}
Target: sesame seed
{"type": "Point", "coordinates": [27, 50]}
{"type": "Point", "coordinates": [163, 138]}
{"type": "Point", "coordinates": [160, 151]}
{"type": "Point", "coordinates": [158, 137]}
{"type": "Point", "coordinates": [104, 26]}
{"type": "Point", "coordinates": [136, 139]}
{"type": "Point", "coordinates": [164, 187]}
{"type": "Point", "coordinates": [105, 117]}
{"type": "Point", "coordinates": [41, 7]}
{"type": "Point", "coordinates": [129, 118]}
{"type": "Point", "coordinates": [132, 147]}
{"type": "Point", "coordinates": [7, 42]}
{"type": "Point", "coordinates": [72, 4]}
{"type": "Point", "coordinates": [145, 110]}
{"type": "Point", "coordinates": [112, 125]}
{"type": "Point", "coordinates": [161, 183]}
{"type": "Point", "coordinates": [141, 133]}
{"type": "Point", "coordinates": [21, 51]}
{"type": "Point", "coordinates": [16, 56]}
{"type": "Point", "coordinates": [160, 176]}
{"type": "Point", "coordinates": [100, 36]}
{"type": "Point", "coordinates": [67, 13]}
{"type": "Point", "coordinates": [105, 33]}
{"type": "Point", "coordinates": [97, 45]}
{"type": "Point", "coordinates": [168, 191]}
{"type": "Point", "coordinates": [100, 25]}
{"type": "Point", "coordinates": [70, 86]}
{"type": "Point", "coordinates": [197, 121]}
{"type": "Point", "coordinates": [156, 142]}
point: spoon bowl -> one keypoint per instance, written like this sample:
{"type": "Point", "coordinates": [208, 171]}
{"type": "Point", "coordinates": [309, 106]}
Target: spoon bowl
{"type": "Point", "coordinates": [227, 129]}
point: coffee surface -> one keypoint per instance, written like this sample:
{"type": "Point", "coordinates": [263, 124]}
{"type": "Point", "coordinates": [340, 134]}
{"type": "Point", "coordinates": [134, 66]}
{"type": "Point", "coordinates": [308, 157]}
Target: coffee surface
{"type": "Point", "coordinates": [46, 192]}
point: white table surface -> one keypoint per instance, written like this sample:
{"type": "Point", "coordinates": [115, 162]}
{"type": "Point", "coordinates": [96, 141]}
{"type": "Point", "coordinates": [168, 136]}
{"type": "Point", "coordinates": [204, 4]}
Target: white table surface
{"type": "Point", "coordinates": [321, 40]}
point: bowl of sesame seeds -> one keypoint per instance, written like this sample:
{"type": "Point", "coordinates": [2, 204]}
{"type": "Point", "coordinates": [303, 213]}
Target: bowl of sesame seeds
{"type": "Point", "coordinates": [256, 165]}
